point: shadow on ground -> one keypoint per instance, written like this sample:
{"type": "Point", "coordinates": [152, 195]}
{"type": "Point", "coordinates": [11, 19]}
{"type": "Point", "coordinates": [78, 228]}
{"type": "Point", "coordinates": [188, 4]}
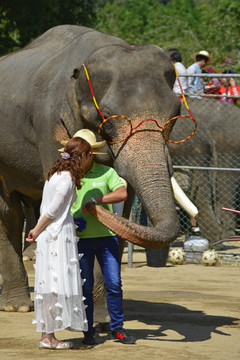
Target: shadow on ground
{"type": "Point", "coordinates": [191, 325]}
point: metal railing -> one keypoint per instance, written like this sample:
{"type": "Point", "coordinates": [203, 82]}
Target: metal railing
{"type": "Point", "coordinates": [209, 76]}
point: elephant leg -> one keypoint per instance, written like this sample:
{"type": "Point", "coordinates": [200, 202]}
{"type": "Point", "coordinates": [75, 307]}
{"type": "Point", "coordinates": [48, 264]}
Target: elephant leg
{"type": "Point", "coordinates": [101, 315]}
{"type": "Point", "coordinates": [202, 196]}
{"type": "Point", "coordinates": [31, 216]}
{"type": "Point", "coordinates": [226, 196]}
{"type": "Point", "coordinates": [15, 294]}
{"type": "Point", "coordinates": [210, 220]}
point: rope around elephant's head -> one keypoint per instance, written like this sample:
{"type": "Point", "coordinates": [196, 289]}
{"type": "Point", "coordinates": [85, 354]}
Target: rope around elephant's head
{"type": "Point", "coordinates": [162, 128]}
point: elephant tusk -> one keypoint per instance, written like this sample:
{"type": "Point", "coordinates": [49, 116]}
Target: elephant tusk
{"type": "Point", "coordinates": [183, 200]}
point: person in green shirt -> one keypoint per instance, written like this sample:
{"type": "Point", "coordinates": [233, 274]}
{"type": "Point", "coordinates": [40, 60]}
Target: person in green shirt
{"type": "Point", "coordinates": [100, 185]}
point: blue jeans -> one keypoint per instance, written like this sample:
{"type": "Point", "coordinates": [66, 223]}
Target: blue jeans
{"type": "Point", "coordinates": [106, 250]}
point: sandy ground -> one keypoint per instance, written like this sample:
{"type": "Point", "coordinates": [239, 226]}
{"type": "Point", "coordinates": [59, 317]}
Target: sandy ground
{"type": "Point", "coordinates": [178, 312]}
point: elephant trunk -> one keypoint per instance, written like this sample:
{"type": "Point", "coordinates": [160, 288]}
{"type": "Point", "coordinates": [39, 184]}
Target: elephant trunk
{"type": "Point", "coordinates": [148, 237]}
{"type": "Point", "coordinates": [151, 181]}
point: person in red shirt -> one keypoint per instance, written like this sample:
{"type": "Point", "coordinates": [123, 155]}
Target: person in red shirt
{"type": "Point", "coordinates": [213, 87]}
{"type": "Point", "coordinates": [232, 89]}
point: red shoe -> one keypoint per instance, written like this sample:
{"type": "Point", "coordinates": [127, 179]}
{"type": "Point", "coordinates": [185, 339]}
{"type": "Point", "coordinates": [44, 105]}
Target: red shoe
{"type": "Point", "coordinates": [123, 336]}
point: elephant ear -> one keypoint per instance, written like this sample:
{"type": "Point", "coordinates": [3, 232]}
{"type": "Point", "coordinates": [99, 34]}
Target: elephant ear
{"type": "Point", "coordinates": [70, 110]}
{"type": "Point", "coordinates": [62, 121]}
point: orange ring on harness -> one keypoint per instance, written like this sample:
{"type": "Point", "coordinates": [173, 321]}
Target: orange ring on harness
{"type": "Point", "coordinates": [115, 116]}
{"type": "Point", "coordinates": [188, 137]}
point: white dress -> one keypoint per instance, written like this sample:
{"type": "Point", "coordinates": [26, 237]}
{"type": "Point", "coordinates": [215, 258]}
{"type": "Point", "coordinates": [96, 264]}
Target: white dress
{"type": "Point", "coordinates": [58, 298]}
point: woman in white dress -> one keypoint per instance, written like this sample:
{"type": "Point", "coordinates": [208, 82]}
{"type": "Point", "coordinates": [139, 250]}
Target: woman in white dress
{"type": "Point", "coordinates": [58, 301]}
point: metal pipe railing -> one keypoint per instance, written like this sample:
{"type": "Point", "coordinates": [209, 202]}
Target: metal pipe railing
{"type": "Point", "coordinates": [204, 168]}
{"type": "Point", "coordinates": [206, 75]}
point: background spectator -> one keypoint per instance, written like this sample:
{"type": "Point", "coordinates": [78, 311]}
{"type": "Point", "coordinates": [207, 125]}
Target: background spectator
{"type": "Point", "coordinates": [196, 84]}
{"type": "Point", "coordinates": [229, 87]}
{"type": "Point", "coordinates": [176, 57]}
{"type": "Point", "coordinates": [213, 85]}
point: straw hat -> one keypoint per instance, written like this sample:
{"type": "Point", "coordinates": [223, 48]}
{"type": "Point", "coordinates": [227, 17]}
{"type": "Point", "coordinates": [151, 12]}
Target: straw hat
{"type": "Point", "coordinates": [203, 53]}
{"type": "Point", "coordinates": [90, 137]}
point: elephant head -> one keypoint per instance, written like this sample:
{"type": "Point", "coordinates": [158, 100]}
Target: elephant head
{"type": "Point", "coordinates": [135, 82]}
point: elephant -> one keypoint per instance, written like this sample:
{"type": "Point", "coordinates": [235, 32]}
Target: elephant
{"type": "Point", "coordinates": [216, 144]}
{"type": "Point", "coordinates": [46, 98]}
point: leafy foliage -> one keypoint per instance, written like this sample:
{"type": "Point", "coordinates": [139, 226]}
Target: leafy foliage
{"type": "Point", "coordinates": [189, 25]}
{"type": "Point", "coordinates": [22, 21]}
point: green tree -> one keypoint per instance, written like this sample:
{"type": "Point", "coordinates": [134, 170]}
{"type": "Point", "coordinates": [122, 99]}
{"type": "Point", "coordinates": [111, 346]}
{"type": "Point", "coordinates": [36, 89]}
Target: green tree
{"type": "Point", "coordinates": [22, 21]}
{"type": "Point", "coordinates": [190, 25]}
{"type": "Point", "coordinates": [220, 23]}
{"type": "Point", "coordinates": [166, 25]}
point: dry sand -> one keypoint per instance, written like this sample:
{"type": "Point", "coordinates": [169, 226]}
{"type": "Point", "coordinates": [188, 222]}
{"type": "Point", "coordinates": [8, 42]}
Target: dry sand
{"type": "Point", "coordinates": [177, 312]}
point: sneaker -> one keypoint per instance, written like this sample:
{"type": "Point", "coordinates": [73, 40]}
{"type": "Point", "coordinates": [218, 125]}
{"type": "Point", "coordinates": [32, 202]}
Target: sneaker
{"type": "Point", "coordinates": [123, 336]}
{"type": "Point", "coordinates": [89, 338]}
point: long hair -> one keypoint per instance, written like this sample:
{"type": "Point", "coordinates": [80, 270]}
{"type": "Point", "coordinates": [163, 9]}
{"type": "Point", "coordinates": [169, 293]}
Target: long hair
{"type": "Point", "coordinates": [75, 147]}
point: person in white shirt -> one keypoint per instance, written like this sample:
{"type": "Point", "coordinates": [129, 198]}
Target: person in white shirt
{"type": "Point", "coordinates": [176, 57]}
{"type": "Point", "coordinates": [196, 84]}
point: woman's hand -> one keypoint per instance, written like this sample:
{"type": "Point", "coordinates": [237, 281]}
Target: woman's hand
{"type": "Point", "coordinates": [41, 225]}
{"type": "Point", "coordinates": [32, 235]}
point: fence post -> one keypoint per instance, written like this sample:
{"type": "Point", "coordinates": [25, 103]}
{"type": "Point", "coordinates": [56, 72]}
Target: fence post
{"type": "Point", "coordinates": [130, 254]}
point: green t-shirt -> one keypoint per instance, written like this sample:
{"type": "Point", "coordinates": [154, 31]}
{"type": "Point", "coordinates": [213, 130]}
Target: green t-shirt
{"type": "Point", "coordinates": [100, 180]}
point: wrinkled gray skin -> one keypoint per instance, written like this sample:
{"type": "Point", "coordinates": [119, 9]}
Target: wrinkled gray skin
{"type": "Point", "coordinates": [45, 98]}
{"type": "Point", "coordinates": [215, 144]}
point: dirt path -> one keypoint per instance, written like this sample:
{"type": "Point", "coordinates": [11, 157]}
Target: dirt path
{"type": "Point", "coordinates": [177, 312]}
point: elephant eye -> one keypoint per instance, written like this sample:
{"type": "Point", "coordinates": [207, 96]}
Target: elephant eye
{"type": "Point", "coordinates": [115, 127]}
{"type": "Point", "coordinates": [106, 112]}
